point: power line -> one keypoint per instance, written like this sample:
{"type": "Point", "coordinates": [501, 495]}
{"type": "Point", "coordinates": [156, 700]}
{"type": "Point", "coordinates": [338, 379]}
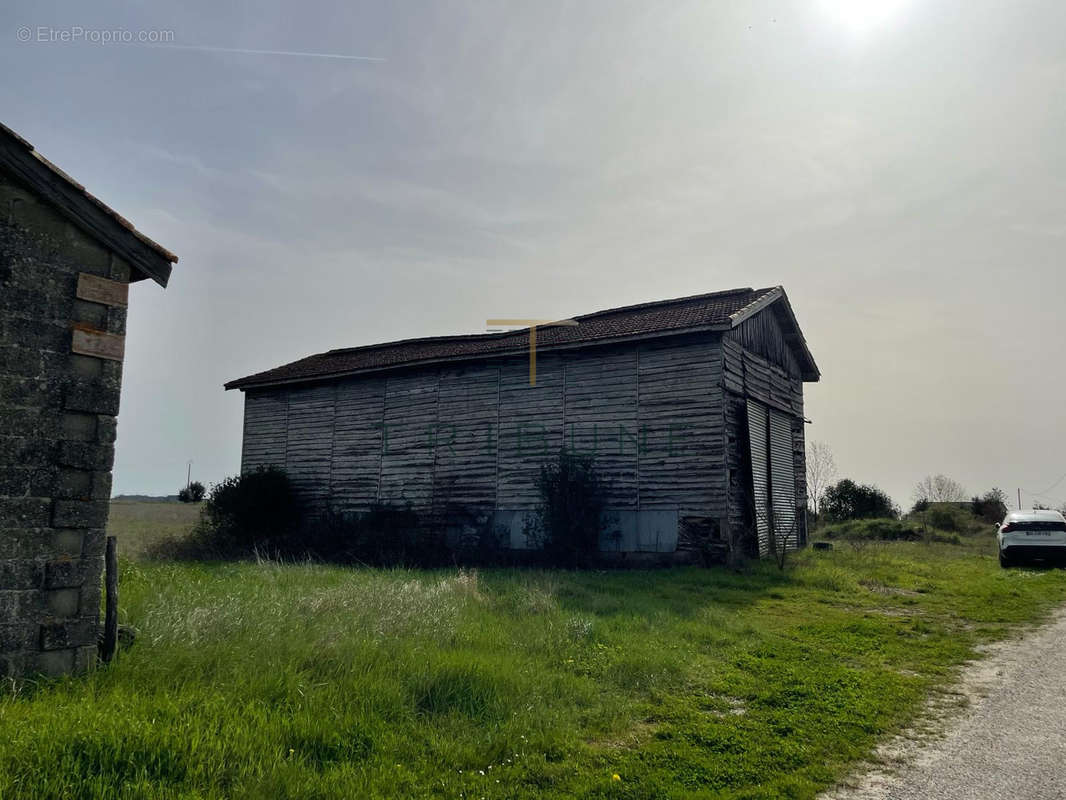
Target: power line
{"type": "Point", "coordinates": [1048, 489]}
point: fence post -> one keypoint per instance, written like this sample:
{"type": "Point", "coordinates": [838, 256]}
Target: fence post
{"type": "Point", "coordinates": [111, 608]}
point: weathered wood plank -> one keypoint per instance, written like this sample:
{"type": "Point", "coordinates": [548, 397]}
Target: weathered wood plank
{"type": "Point", "coordinates": [102, 290]}
{"type": "Point", "coordinates": [88, 341]}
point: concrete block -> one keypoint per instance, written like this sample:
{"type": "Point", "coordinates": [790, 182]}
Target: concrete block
{"type": "Point", "coordinates": [86, 659]}
{"type": "Point", "coordinates": [95, 542]}
{"type": "Point", "coordinates": [101, 489]}
{"type": "Point", "coordinates": [78, 426]}
{"type": "Point", "coordinates": [22, 361]}
{"type": "Point", "coordinates": [24, 512]}
{"type": "Point", "coordinates": [21, 573]}
{"type": "Point", "coordinates": [68, 542]}
{"type": "Point", "coordinates": [14, 481]}
{"type": "Point", "coordinates": [63, 572]}
{"type": "Point", "coordinates": [106, 429]}
{"type": "Point", "coordinates": [83, 366]}
{"type": "Point", "coordinates": [86, 455]}
{"type": "Point", "coordinates": [116, 321]}
{"type": "Point", "coordinates": [92, 396]}
{"type": "Point", "coordinates": [80, 514]}
{"type": "Point", "coordinates": [62, 602]}
{"type": "Point", "coordinates": [55, 662]}
{"type": "Point", "coordinates": [15, 636]}
{"type": "Point", "coordinates": [93, 314]}
{"type": "Point", "coordinates": [64, 634]}
{"type": "Point", "coordinates": [74, 484]}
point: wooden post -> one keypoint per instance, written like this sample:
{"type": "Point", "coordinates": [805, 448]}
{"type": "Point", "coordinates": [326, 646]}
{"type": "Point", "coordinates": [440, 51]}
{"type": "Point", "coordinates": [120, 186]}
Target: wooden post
{"type": "Point", "coordinates": [111, 609]}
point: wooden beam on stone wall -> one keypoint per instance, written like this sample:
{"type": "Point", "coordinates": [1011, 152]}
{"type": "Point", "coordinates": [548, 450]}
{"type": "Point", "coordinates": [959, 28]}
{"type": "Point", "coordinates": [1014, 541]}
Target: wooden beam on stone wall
{"type": "Point", "coordinates": [102, 290]}
{"type": "Point", "coordinates": [88, 341]}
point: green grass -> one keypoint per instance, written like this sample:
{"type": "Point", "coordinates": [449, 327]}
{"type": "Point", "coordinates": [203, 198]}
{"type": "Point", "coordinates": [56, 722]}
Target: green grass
{"type": "Point", "coordinates": [304, 681]}
{"type": "Point", "coordinates": [138, 526]}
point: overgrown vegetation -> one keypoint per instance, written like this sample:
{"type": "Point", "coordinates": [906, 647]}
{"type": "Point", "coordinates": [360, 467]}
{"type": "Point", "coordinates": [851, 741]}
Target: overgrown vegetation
{"type": "Point", "coordinates": [567, 523]}
{"type": "Point", "coordinates": [254, 513]}
{"type": "Point", "coordinates": [386, 535]}
{"type": "Point", "coordinates": [847, 500]}
{"type": "Point", "coordinates": [253, 680]}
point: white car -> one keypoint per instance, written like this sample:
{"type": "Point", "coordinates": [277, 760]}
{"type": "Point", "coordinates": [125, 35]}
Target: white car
{"type": "Point", "coordinates": [1031, 536]}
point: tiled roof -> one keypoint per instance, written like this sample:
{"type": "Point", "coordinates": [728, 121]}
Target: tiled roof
{"type": "Point", "coordinates": [73, 199]}
{"type": "Point", "coordinates": [699, 312]}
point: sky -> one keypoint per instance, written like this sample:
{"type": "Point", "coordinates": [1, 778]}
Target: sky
{"type": "Point", "coordinates": [898, 166]}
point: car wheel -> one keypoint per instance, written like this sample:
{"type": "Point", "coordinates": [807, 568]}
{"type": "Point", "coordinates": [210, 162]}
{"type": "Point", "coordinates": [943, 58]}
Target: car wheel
{"type": "Point", "coordinates": [1004, 561]}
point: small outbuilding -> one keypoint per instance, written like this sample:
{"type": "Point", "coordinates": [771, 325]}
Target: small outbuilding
{"type": "Point", "coordinates": [693, 409]}
{"type": "Point", "coordinates": [66, 261]}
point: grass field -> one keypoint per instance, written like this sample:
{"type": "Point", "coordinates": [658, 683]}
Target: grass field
{"type": "Point", "coordinates": [303, 681]}
{"type": "Point", "coordinates": [137, 526]}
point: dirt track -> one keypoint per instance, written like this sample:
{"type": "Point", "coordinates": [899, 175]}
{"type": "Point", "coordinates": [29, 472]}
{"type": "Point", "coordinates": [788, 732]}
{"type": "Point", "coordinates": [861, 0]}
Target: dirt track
{"type": "Point", "coordinates": [1000, 733]}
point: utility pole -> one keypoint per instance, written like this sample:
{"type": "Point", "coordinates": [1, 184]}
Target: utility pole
{"type": "Point", "coordinates": [1019, 499]}
{"type": "Point", "coordinates": [188, 478]}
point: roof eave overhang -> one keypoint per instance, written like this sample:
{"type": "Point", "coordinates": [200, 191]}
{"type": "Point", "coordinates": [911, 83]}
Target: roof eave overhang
{"type": "Point", "coordinates": [66, 196]}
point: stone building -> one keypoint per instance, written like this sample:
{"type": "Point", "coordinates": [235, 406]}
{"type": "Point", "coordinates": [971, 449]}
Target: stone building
{"type": "Point", "coordinates": [693, 408]}
{"type": "Point", "coordinates": [66, 261]}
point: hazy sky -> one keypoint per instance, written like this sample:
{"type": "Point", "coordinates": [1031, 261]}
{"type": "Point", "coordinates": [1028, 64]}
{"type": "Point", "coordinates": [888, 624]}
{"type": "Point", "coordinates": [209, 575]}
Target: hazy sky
{"type": "Point", "coordinates": [899, 167]}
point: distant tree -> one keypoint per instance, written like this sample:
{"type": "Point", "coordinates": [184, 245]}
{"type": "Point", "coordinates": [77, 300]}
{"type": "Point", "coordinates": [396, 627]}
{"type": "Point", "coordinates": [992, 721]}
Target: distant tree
{"type": "Point", "coordinates": [193, 493]}
{"type": "Point", "coordinates": [821, 471]}
{"type": "Point", "coordinates": [939, 488]}
{"type": "Point", "coordinates": [991, 506]}
{"type": "Point", "coordinates": [849, 500]}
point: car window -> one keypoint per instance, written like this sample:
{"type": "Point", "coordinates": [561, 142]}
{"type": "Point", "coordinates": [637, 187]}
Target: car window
{"type": "Point", "coordinates": [1037, 525]}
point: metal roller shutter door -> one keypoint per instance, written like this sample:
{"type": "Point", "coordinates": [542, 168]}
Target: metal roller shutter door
{"type": "Point", "coordinates": [757, 420]}
{"type": "Point", "coordinates": [783, 479]}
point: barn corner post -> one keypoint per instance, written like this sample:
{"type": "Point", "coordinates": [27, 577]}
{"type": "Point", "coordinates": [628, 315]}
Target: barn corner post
{"type": "Point", "coordinates": [64, 274]}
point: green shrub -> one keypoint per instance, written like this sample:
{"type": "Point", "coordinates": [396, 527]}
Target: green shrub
{"type": "Point", "coordinates": [567, 523]}
{"type": "Point", "coordinates": [849, 500]}
{"type": "Point", "coordinates": [257, 511]}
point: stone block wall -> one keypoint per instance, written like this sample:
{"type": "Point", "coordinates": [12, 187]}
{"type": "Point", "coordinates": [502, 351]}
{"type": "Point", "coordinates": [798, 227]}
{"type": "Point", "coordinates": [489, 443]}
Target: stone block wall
{"type": "Point", "coordinates": [57, 432]}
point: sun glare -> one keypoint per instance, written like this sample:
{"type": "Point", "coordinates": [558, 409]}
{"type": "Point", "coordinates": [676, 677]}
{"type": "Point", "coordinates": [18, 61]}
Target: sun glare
{"type": "Point", "coordinates": [860, 17]}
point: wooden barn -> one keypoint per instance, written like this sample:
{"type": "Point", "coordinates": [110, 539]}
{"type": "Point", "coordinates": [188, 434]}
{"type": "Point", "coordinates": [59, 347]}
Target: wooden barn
{"type": "Point", "coordinates": [693, 409]}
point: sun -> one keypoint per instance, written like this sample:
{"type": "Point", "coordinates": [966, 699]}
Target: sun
{"type": "Point", "coordinates": [861, 17]}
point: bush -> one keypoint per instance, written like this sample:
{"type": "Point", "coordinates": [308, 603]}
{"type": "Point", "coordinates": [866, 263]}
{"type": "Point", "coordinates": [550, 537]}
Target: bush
{"type": "Point", "coordinates": [991, 507]}
{"type": "Point", "coordinates": [848, 500]}
{"type": "Point", "coordinates": [193, 493]}
{"type": "Point", "coordinates": [258, 510]}
{"type": "Point", "coordinates": [566, 525]}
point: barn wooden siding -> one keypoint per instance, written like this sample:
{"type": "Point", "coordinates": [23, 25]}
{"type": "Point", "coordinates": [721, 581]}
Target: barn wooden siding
{"type": "Point", "coordinates": [758, 364]}
{"type": "Point", "coordinates": [476, 435]}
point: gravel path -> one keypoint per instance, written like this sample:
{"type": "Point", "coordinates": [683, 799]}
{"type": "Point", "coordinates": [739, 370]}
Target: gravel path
{"type": "Point", "coordinates": [1000, 733]}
